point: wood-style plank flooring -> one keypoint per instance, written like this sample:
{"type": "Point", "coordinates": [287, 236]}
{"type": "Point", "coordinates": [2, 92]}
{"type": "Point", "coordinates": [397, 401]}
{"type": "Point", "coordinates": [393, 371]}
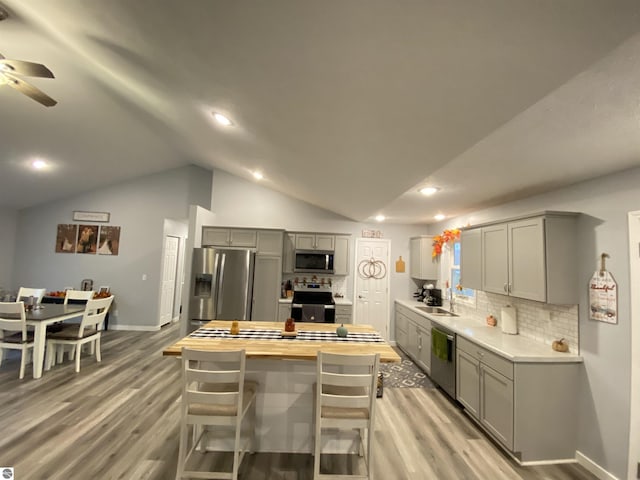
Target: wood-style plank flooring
{"type": "Point", "coordinates": [119, 420]}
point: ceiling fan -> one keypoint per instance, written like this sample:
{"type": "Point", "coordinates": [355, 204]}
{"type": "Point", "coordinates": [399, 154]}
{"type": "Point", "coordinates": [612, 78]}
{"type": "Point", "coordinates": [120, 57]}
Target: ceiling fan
{"type": "Point", "coordinates": [11, 70]}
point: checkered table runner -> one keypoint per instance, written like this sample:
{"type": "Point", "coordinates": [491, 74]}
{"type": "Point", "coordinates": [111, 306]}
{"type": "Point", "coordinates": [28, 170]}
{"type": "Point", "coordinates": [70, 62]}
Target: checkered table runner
{"type": "Point", "coordinates": [264, 334]}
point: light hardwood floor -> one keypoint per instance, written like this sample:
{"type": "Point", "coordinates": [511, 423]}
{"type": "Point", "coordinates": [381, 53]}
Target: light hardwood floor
{"type": "Point", "coordinates": [119, 420]}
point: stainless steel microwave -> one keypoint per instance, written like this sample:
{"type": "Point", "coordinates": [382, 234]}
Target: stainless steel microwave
{"type": "Point", "coordinates": [313, 261]}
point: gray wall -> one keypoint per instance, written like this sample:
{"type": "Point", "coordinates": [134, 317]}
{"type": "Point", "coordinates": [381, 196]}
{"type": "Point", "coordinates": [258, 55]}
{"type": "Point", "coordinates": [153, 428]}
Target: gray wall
{"type": "Point", "coordinates": [9, 221]}
{"type": "Point", "coordinates": [605, 384]}
{"type": "Point", "coordinates": [140, 208]}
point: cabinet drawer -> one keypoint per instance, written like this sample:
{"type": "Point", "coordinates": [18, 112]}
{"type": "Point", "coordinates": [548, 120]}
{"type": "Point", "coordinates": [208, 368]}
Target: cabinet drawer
{"type": "Point", "coordinates": [498, 363]}
{"type": "Point", "coordinates": [343, 310]}
{"type": "Point", "coordinates": [403, 310]}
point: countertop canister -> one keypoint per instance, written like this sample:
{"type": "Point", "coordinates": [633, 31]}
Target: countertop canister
{"type": "Point", "coordinates": [509, 320]}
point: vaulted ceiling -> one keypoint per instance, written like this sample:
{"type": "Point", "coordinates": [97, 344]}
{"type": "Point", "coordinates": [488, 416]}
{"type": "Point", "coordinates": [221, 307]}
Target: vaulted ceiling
{"type": "Point", "coordinates": [348, 105]}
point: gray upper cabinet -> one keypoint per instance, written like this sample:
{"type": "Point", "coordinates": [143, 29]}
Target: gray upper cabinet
{"type": "Point", "coordinates": [341, 255]}
{"type": "Point", "coordinates": [532, 257]}
{"type": "Point", "coordinates": [288, 252]}
{"type": "Point", "coordinates": [228, 237]}
{"type": "Point", "coordinates": [314, 241]}
{"type": "Point", "coordinates": [269, 242]}
{"type": "Point", "coordinates": [422, 265]}
{"type": "Point", "coordinates": [471, 258]}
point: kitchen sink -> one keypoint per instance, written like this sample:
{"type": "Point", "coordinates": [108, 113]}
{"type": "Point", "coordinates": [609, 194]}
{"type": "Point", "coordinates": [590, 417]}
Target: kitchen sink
{"type": "Point", "coordinates": [437, 311]}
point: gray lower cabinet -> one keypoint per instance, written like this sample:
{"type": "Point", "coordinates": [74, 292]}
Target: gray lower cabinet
{"type": "Point", "coordinates": [344, 314]}
{"type": "Point", "coordinates": [284, 311]}
{"type": "Point", "coordinates": [529, 408]}
{"type": "Point", "coordinates": [413, 336]}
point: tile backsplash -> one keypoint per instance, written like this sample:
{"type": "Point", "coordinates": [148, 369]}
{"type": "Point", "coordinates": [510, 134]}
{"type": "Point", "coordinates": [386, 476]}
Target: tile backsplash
{"type": "Point", "coordinates": [538, 321]}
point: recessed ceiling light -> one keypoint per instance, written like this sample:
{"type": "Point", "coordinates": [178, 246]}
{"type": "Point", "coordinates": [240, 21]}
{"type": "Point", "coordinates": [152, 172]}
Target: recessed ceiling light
{"type": "Point", "coordinates": [222, 120]}
{"type": "Point", "coordinates": [380, 218]}
{"type": "Point", "coordinates": [258, 175]}
{"type": "Point", "coordinates": [428, 190]}
{"type": "Point", "coordinates": [39, 164]}
{"type": "Point", "coordinates": [440, 216]}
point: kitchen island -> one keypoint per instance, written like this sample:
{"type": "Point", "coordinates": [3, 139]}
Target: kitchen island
{"type": "Point", "coordinates": [285, 369]}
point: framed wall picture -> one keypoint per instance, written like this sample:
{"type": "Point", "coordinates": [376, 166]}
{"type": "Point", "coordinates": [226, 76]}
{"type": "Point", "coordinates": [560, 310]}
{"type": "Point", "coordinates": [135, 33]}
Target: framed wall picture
{"type": "Point", "coordinates": [66, 237]}
{"type": "Point", "coordinates": [87, 239]}
{"type": "Point", "coordinates": [109, 242]}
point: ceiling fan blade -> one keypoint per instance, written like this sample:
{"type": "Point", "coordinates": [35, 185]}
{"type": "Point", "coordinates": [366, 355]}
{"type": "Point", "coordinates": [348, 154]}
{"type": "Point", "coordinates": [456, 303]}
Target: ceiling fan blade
{"type": "Point", "coordinates": [29, 90]}
{"type": "Point", "coordinates": [21, 67]}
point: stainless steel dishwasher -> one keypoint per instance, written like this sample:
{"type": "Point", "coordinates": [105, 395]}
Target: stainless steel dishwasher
{"type": "Point", "coordinates": [443, 359]}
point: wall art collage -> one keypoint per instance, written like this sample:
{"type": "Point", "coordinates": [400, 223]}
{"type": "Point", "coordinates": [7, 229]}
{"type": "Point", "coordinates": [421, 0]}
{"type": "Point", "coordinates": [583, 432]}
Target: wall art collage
{"type": "Point", "coordinates": [88, 239]}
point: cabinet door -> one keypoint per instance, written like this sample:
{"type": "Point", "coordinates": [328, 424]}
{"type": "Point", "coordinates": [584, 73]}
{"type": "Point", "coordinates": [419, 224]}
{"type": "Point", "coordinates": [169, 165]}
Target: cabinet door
{"type": "Point", "coordinates": [422, 265]}
{"type": "Point", "coordinates": [288, 252]}
{"type": "Point", "coordinates": [215, 237]}
{"type": "Point", "coordinates": [401, 328]}
{"type": "Point", "coordinates": [341, 255]}
{"type": "Point", "coordinates": [412, 341]}
{"type": "Point", "coordinates": [305, 241]}
{"type": "Point", "coordinates": [266, 287]}
{"type": "Point", "coordinates": [468, 382]}
{"type": "Point", "coordinates": [496, 413]}
{"type": "Point", "coordinates": [495, 268]}
{"type": "Point", "coordinates": [284, 311]}
{"type": "Point", "coordinates": [325, 242]}
{"type": "Point", "coordinates": [242, 238]}
{"type": "Point", "coordinates": [471, 258]}
{"type": "Point", "coordinates": [415, 260]}
{"type": "Point", "coordinates": [526, 247]}
{"type": "Point", "coordinates": [269, 243]}
{"type": "Point", "coordinates": [424, 353]}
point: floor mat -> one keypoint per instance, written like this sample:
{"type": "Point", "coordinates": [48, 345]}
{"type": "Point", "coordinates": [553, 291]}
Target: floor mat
{"type": "Point", "coordinates": [404, 374]}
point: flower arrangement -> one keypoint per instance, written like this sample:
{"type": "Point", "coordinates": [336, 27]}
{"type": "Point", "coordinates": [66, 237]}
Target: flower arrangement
{"type": "Point", "coordinates": [447, 236]}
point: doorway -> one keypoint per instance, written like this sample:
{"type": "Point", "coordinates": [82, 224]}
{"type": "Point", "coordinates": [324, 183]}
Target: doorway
{"type": "Point", "coordinates": [169, 277]}
{"type": "Point", "coordinates": [634, 271]}
{"type": "Point", "coordinates": [371, 284]}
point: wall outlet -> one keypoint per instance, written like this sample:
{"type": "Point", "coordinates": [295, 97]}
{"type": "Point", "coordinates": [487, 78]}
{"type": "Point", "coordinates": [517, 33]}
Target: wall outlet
{"type": "Point", "coordinates": [144, 276]}
{"type": "Point", "coordinates": [115, 312]}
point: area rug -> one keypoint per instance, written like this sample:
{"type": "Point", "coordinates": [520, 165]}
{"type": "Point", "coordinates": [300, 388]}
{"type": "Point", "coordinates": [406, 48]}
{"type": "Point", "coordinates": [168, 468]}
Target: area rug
{"type": "Point", "coordinates": [404, 374]}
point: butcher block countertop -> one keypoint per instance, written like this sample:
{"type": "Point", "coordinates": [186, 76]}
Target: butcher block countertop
{"type": "Point", "coordinates": [285, 348]}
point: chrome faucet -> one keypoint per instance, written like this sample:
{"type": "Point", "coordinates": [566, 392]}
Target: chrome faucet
{"type": "Point", "coordinates": [452, 301]}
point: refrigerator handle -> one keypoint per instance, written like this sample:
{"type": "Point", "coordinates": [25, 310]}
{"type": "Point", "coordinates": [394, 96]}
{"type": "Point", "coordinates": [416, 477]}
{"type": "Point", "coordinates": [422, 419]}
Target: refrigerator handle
{"type": "Point", "coordinates": [221, 258]}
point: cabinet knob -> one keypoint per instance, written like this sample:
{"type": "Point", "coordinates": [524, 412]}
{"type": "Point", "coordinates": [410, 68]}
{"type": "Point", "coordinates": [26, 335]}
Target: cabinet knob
{"type": "Point", "coordinates": [506, 288]}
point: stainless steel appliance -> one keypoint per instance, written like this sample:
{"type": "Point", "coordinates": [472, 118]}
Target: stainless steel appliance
{"type": "Point", "coordinates": [313, 302]}
{"type": "Point", "coordinates": [313, 261]}
{"type": "Point", "coordinates": [221, 284]}
{"type": "Point", "coordinates": [443, 359]}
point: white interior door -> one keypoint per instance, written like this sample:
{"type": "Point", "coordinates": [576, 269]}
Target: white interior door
{"type": "Point", "coordinates": [170, 267]}
{"type": "Point", "coordinates": [372, 284]}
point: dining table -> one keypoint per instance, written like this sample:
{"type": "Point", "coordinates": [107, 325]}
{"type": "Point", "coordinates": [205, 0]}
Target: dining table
{"type": "Point", "coordinates": [283, 365]}
{"type": "Point", "coordinates": [40, 318]}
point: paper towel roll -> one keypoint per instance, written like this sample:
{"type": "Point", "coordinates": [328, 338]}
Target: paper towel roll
{"type": "Point", "coordinates": [508, 320]}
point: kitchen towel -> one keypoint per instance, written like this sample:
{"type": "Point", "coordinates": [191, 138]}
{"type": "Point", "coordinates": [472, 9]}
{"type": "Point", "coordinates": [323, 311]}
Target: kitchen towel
{"type": "Point", "coordinates": [439, 345]}
{"type": "Point", "coordinates": [508, 320]}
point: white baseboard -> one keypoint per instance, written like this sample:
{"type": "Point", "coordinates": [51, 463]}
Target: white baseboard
{"type": "Point", "coordinates": [594, 468]}
{"type": "Point", "coordinates": [137, 328]}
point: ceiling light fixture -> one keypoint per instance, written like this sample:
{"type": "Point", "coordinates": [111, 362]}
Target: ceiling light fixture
{"type": "Point", "coordinates": [380, 218]}
{"type": "Point", "coordinates": [440, 216]}
{"type": "Point", "coordinates": [222, 120]}
{"type": "Point", "coordinates": [428, 190]}
{"type": "Point", "coordinates": [258, 175]}
{"type": "Point", "coordinates": [39, 164]}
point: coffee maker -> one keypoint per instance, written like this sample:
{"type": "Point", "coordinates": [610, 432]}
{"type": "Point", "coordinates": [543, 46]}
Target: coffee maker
{"type": "Point", "coordinates": [429, 294]}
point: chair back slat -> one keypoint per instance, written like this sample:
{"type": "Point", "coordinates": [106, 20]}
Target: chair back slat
{"type": "Point", "coordinates": [24, 293]}
{"type": "Point", "coordinates": [78, 295]}
{"type": "Point", "coordinates": [342, 401]}
{"type": "Point", "coordinates": [13, 309]}
{"type": "Point", "coordinates": [346, 380]}
{"type": "Point", "coordinates": [213, 378]}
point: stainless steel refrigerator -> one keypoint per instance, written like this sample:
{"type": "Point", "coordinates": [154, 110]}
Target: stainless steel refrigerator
{"type": "Point", "coordinates": [221, 285]}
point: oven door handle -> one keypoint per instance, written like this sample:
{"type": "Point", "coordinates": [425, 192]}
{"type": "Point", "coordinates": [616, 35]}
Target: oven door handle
{"type": "Point", "coordinates": [296, 305]}
{"type": "Point", "coordinates": [329, 307]}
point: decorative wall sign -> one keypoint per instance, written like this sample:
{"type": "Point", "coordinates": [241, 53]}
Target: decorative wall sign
{"type": "Point", "coordinates": [66, 238]}
{"type": "Point", "coordinates": [81, 216]}
{"type": "Point", "coordinates": [368, 233]}
{"type": "Point", "coordinates": [603, 295]}
{"type": "Point", "coordinates": [87, 239]}
{"type": "Point", "coordinates": [109, 242]}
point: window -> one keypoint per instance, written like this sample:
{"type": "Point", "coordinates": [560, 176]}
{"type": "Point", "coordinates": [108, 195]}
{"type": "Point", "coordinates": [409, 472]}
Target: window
{"type": "Point", "coordinates": [466, 295]}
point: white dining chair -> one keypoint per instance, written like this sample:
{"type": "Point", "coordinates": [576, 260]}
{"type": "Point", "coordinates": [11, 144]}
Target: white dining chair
{"type": "Point", "coordinates": [345, 394]}
{"type": "Point", "coordinates": [25, 292]}
{"type": "Point", "coordinates": [215, 394]}
{"type": "Point", "coordinates": [78, 295]}
{"type": "Point", "coordinates": [13, 332]}
{"type": "Point", "coordinates": [88, 330]}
